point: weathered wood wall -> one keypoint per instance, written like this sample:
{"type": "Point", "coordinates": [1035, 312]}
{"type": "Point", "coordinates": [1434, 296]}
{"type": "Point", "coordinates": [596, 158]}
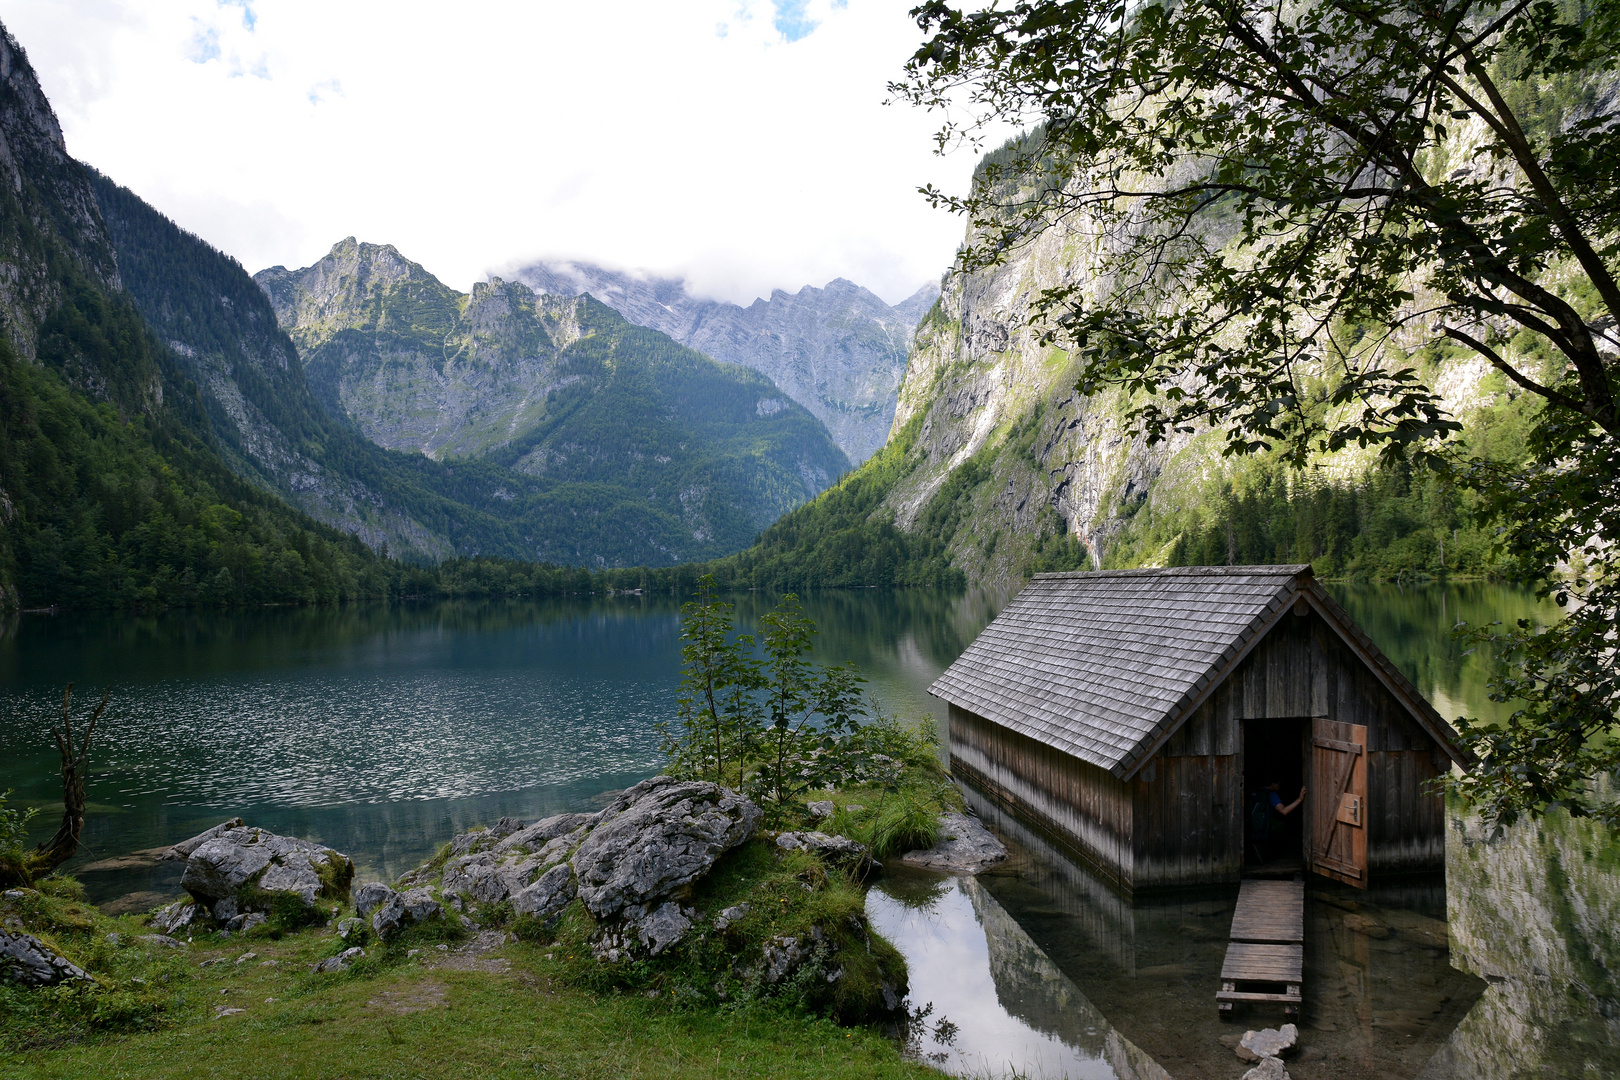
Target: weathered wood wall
{"type": "Point", "coordinates": [1082, 807]}
{"type": "Point", "coordinates": [1180, 819]}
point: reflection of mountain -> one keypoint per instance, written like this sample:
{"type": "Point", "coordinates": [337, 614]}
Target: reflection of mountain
{"type": "Point", "coordinates": [1381, 997]}
{"type": "Point", "coordinates": [1536, 913]}
{"type": "Point", "coordinates": [1030, 987]}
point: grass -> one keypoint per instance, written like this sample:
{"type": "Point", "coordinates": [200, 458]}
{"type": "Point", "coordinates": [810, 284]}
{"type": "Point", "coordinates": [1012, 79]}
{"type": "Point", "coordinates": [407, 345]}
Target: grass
{"type": "Point", "coordinates": [153, 1014]}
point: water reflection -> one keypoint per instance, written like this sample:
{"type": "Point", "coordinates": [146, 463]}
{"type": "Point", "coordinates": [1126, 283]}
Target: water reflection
{"type": "Point", "coordinates": [382, 730]}
{"type": "Point", "coordinates": [1013, 1011]}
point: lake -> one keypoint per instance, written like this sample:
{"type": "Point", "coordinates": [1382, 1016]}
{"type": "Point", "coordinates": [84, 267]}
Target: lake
{"type": "Point", "coordinates": [383, 730]}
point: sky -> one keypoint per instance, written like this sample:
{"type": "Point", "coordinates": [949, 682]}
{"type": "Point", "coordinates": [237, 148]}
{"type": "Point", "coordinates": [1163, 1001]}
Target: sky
{"type": "Point", "coordinates": [745, 145]}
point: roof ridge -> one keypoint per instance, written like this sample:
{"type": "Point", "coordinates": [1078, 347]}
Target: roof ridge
{"type": "Point", "coordinates": [1270, 569]}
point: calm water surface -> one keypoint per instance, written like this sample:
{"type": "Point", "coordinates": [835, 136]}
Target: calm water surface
{"type": "Point", "coordinates": [381, 731]}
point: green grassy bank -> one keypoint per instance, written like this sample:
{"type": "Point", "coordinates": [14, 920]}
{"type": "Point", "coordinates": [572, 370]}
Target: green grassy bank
{"type": "Point", "coordinates": [478, 1007]}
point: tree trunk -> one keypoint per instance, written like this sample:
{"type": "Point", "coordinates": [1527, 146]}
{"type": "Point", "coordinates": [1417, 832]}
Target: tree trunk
{"type": "Point", "coordinates": [65, 843]}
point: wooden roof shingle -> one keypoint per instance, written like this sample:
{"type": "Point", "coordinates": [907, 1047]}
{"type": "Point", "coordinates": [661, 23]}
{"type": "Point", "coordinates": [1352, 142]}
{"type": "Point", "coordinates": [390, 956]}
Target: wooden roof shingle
{"type": "Point", "coordinates": [1105, 665]}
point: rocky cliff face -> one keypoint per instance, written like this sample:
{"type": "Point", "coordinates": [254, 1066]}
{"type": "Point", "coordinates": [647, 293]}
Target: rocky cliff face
{"type": "Point", "coordinates": [839, 351]}
{"type": "Point", "coordinates": [621, 447]}
{"type": "Point", "coordinates": [48, 208]}
{"type": "Point", "coordinates": [269, 428]}
{"type": "Point", "coordinates": [414, 364]}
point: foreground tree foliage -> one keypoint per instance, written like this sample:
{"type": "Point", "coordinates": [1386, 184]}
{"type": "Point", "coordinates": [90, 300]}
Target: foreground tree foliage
{"type": "Point", "coordinates": [1285, 203]}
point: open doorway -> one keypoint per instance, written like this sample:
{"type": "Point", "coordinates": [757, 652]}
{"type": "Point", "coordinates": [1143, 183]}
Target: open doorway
{"type": "Point", "coordinates": [1273, 753]}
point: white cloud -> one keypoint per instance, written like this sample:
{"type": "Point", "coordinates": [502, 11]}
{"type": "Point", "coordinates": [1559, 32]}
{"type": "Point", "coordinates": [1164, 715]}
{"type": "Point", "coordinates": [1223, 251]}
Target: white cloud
{"type": "Point", "coordinates": [687, 138]}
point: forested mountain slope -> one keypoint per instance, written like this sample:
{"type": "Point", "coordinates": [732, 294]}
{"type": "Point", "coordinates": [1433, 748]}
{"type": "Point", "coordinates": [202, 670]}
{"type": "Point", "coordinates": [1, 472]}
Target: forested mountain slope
{"type": "Point", "coordinates": [626, 448]}
{"type": "Point", "coordinates": [839, 351]}
{"type": "Point", "coordinates": [112, 487]}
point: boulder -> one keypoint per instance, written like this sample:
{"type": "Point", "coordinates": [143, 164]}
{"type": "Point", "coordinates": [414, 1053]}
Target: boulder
{"type": "Point", "coordinates": [1269, 1069]}
{"type": "Point", "coordinates": [246, 921]}
{"type": "Point", "coordinates": [479, 839]}
{"type": "Point", "coordinates": [339, 962]}
{"type": "Point", "coordinates": [368, 897]}
{"type": "Point", "coordinates": [822, 809]}
{"type": "Point", "coordinates": [835, 849]}
{"type": "Point", "coordinates": [730, 915]}
{"type": "Point", "coordinates": [392, 912]}
{"type": "Point", "coordinates": [514, 864]}
{"type": "Point", "coordinates": [965, 847]}
{"type": "Point", "coordinates": [1269, 1042]}
{"type": "Point", "coordinates": [182, 851]}
{"type": "Point", "coordinates": [247, 867]}
{"type": "Point", "coordinates": [662, 927]}
{"type": "Point", "coordinates": [27, 960]}
{"type": "Point", "coordinates": [782, 956]}
{"type": "Point", "coordinates": [658, 836]}
{"type": "Point", "coordinates": [549, 894]}
{"type": "Point", "coordinates": [162, 941]}
{"type": "Point", "coordinates": [175, 917]}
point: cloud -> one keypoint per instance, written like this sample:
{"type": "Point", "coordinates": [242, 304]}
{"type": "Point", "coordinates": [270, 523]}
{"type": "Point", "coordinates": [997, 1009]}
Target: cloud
{"type": "Point", "coordinates": [744, 144]}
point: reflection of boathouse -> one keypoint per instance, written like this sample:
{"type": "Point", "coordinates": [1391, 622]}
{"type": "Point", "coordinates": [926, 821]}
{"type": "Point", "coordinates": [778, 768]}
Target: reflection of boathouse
{"type": "Point", "coordinates": [1132, 713]}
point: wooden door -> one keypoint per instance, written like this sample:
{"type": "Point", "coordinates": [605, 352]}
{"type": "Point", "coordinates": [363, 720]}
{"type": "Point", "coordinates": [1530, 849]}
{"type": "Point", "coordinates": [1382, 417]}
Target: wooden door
{"type": "Point", "coordinates": [1338, 801]}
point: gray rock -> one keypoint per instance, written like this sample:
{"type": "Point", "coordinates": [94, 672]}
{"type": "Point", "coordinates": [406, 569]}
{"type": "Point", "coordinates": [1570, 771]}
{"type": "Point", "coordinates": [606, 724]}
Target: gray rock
{"type": "Point", "coordinates": [339, 962]}
{"type": "Point", "coordinates": [824, 808]}
{"type": "Point", "coordinates": [481, 839]}
{"type": "Point", "coordinates": [397, 911]}
{"type": "Point", "coordinates": [662, 927]}
{"type": "Point", "coordinates": [163, 941]}
{"type": "Point", "coordinates": [245, 922]}
{"type": "Point", "coordinates": [182, 851]}
{"type": "Point", "coordinates": [829, 847]}
{"type": "Point", "coordinates": [549, 894]}
{"type": "Point", "coordinates": [221, 866]}
{"type": "Point", "coordinates": [27, 960]}
{"type": "Point", "coordinates": [965, 847]}
{"type": "Point", "coordinates": [369, 896]}
{"type": "Point", "coordinates": [730, 915]}
{"type": "Point", "coordinates": [1270, 1042]}
{"type": "Point", "coordinates": [1269, 1069]}
{"type": "Point", "coordinates": [175, 917]}
{"type": "Point", "coordinates": [658, 836]}
{"type": "Point", "coordinates": [345, 927]}
{"type": "Point", "coordinates": [508, 869]}
{"type": "Point", "coordinates": [782, 956]}
{"type": "Point", "coordinates": [534, 837]}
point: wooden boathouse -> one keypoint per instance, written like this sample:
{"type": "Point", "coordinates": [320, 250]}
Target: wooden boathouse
{"type": "Point", "coordinates": [1133, 715]}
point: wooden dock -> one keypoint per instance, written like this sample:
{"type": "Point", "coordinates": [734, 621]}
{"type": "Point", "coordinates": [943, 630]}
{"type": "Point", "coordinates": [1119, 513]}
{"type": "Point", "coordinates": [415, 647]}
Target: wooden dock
{"type": "Point", "coordinates": [1265, 959]}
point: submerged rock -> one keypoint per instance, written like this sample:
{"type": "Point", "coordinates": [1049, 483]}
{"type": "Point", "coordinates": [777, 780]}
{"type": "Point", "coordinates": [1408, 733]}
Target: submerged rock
{"type": "Point", "coordinates": [965, 847]}
{"type": "Point", "coordinates": [1269, 1069]}
{"type": "Point", "coordinates": [1268, 1042]}
{"type": "Point", "coordinates": [246, 868]}
{"type": "Point", "coordinates": [658, 836]}
{"type": "Point", "coordinates": [27, 960]}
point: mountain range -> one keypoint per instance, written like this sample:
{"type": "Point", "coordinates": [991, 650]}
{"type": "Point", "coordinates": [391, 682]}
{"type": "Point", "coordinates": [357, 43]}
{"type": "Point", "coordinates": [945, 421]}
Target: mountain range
{"type": "Point", "coordinates": [839, 351]}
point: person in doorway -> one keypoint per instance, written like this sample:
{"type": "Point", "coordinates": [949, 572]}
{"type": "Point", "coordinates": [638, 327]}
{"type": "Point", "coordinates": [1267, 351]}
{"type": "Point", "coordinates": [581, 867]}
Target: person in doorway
{"type": "Point", "coordinates": [1269, 816]}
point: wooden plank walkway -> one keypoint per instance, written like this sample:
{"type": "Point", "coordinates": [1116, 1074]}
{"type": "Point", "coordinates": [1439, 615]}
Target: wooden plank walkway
{"type": "Point", "coordinates": [1265, 958]}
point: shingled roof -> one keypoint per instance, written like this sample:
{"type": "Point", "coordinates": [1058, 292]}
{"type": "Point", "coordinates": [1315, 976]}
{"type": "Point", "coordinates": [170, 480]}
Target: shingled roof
{"type": "Point", "coordinates": [1106, 665]}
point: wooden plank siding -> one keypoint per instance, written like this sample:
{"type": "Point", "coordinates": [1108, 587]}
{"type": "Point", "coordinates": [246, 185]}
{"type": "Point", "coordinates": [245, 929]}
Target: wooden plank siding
{"type": "Point", "coordinates": [1084, 807]}
{"type": "Point", "coordinates": [1179, 820]}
